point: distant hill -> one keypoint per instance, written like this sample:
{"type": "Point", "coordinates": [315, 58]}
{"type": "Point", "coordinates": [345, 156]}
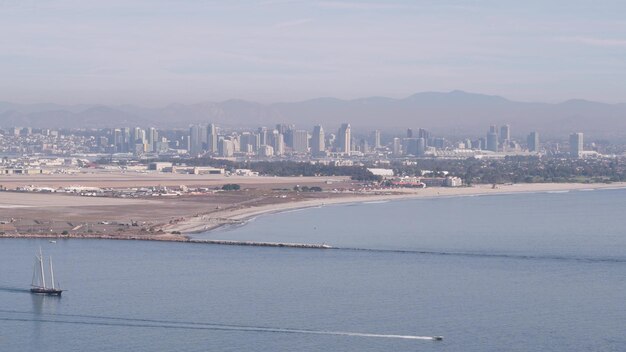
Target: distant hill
{"type": "Point", "coordinates": [446, 113]}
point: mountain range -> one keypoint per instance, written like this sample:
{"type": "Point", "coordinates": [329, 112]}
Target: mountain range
{"type": "Point", "coordinates": [454, 112]}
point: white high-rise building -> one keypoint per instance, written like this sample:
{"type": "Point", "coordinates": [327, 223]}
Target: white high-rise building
{"type": "Point", "coordinates": [211, 138]}
{"type": "Point", "coordinates": [345, 138]}
{"type": "Point", "coordinates": [397, 147]}
{"type": "Point", "coordinates": [279, 143]}
{"type": "Point", "coordinates": [576, 144]}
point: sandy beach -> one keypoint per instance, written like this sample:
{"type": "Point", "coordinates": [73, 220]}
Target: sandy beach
{"type": "Point", "coordinates": [207, 222]}
{"type": "Point", "coordinates": [53, 215]}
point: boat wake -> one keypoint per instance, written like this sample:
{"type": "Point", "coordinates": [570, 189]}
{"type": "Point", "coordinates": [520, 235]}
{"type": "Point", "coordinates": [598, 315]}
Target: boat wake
{"type": "Point", "coordinates": [80, 319]}
{"type": "Point", "coordinates": [492, 255]}
{"type": "Point", "coordinates": [14, 289]}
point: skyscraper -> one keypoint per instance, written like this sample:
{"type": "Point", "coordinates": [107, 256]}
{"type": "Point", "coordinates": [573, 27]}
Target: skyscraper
{"type": "Point", "coordinates": [492, 139]}
{"type": "Point", "coordinates": [505, 134]}
{"type": "Point", "coordinates": [422, 133]}
{"type": "Point", "coordinates": [195, 139]}
{"type": "Point", "coordinates": [421, 146]}
{"type": "Point", "coordinates": [212, 138]}
{"type": "Point", "coordinates": [126, 139]}
{"type": "Point", "coordinates": [226, 148]}
{"type": "Point", "coordinates": [409, 133]}
{"type": "Point", "coordinates": [300, 141]}
{"type": "Point", "coordinates": [533, 141]}
{"type": "Point", "coordinates": [263, 135]}
{"type": "Point", "coordinates": [152, 137]}
{"type": "Point", "coordinates": [248, 142]}
{"type": "Point", "coordinates": [397, 147]}
{"type": "Point", "coordinates": [318, 145]}
{"type": "Point", "coordinates": [376, 139]}
{"type": "Point", "coordinates": [279, 144]}
{"type": "Point", "coordinates": [410, 146]}
{"type": "Point", "coordinates": [345, 139]}
{"type": "Point", "coordinates": [576, 144]}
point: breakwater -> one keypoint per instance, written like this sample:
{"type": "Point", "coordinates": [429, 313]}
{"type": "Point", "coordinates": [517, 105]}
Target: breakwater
{"type": "Point", "coordinates": [263, 244]}
{"type": "Point", "coordinates": [169, 238]}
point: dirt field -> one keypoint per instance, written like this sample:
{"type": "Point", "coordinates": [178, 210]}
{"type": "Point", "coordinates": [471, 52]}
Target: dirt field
{"type": "Point", "coordinates": [49, 213]}
{"type": "Point", "coordinates": [37, 214]}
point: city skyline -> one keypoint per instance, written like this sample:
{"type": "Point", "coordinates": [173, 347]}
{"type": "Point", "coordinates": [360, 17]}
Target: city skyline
{"type": "Point", "coordinates": [286, 141]}
{"type": "Point", "coordinates": [445, 113]}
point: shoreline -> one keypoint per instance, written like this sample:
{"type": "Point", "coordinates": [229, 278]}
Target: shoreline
{"type": "Point", "coordinates": [184, 230]}
{"type": "Point", "coordinates": [242, 216]}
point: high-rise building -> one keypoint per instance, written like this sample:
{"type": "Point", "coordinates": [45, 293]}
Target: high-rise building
{"type": "Point", "coordinates": [421, 146]}
{"type": "Point", "coordinates": [492, 140]}
{"type": "Point", "coordinates": [409, 133]}
{"type": "Point", "coordinates": [262, 132]}
{"type": "Point", "coordinates": [288, 135]}
{"type": "Point", "coordinates": [364, 146]}
{"type": "Point", "coordinates": [345, 139]}
{"type": "Point", "coordinates": [266, 151]}
{"type": "Point", "coordinates": [226, 148]}
{"type": "Point", "coordinates": [576, 144]}
{"type": "Point", "coordinates": [138, 135]}
{"type": "Point", "coordinates": [376, 139]}
{"type": "Point", "coordinates": [152, 136]}
{"type": "Point", "coordinates": [533, 141]}
{"type": "Point", "coordinates": [318, 145]}
{"type": "Point", "coordinates": [279, 144]}
{"type": "Point", "coordinates": [396, 147]}
{"type": "Point", "coordinates": [422, 133]}
{"type": "Point", "coordinates": [414, 146]}
{"type": "Point", "coordinates": [195, 139]}
{"type": "Point", "coordinates": [301, 141]}
{"type": "Point", "coordinates": [439, 143]}
{"type": "Point", "coordinates": [410, 146]}
{"type": "Point", "coordinates": [247, 142]}
{"type": "Point", "coordinates": [505, 134]}
{"type": "Point", "coordinates": [212, 138]}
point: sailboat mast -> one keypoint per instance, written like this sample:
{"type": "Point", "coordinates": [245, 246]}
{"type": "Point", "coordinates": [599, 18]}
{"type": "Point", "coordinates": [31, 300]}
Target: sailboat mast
{"type": "Point", "coordinates": [43, 275]}
{"type": "Point", "coordinates": [51, 272]}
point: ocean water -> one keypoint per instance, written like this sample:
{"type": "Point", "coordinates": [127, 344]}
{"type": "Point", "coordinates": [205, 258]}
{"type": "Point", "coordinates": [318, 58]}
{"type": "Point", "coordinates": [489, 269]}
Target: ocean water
{"type": "Point", "coordinates": [525, 272]}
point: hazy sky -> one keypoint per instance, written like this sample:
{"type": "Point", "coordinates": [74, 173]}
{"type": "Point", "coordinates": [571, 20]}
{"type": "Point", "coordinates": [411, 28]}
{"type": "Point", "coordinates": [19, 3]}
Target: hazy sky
{"type": "Point", "coordinates": [155, 52]}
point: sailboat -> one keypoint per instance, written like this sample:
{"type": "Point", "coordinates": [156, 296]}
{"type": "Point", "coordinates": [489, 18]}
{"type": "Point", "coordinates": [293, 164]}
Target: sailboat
{"type": "Point", "coordinates": [39, 285]}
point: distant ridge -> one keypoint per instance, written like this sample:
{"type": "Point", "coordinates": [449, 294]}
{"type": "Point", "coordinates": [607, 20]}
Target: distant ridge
{"type": "Point", "coordinates": [444, 112]}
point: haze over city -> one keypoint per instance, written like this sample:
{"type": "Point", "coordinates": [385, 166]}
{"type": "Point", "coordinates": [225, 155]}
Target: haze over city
{"type": "Point", "coordinates": [323, 175]}
{"type": "Point", "coordinates": [161, 52]}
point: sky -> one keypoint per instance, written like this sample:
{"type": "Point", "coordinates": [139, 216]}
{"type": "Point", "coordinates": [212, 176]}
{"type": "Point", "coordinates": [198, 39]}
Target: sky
{"type": "Point", "coordinates": [158, 52]}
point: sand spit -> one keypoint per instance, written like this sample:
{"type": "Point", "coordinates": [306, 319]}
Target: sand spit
{"type": "Point", "coordinates": [207, 222]}
{"type": "Point", "coordinates": [181, 229]}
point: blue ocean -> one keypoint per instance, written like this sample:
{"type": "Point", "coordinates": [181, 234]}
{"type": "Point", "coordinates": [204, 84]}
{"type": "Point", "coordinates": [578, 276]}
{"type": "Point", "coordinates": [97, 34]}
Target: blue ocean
{"type": "Point", "coordinates": [523, 272]}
